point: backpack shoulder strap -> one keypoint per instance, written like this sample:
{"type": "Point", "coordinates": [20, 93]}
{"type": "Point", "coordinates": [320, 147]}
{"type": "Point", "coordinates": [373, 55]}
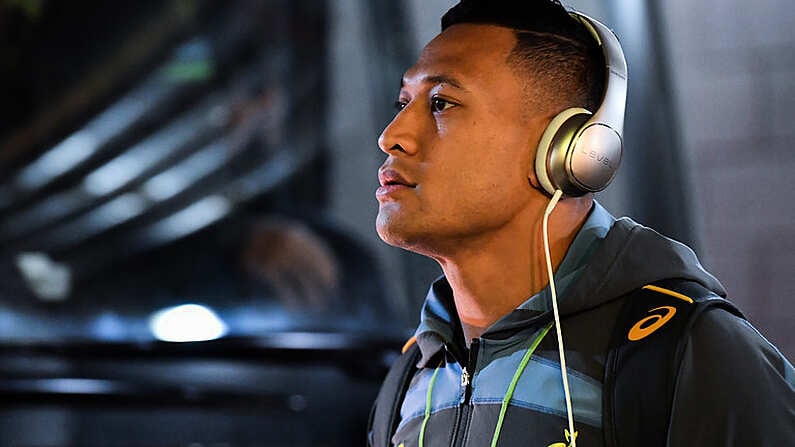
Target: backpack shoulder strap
{"type": "Point", "coordinates": [384, 416]}
{"type": "Point", "coordinates": [644, 356]}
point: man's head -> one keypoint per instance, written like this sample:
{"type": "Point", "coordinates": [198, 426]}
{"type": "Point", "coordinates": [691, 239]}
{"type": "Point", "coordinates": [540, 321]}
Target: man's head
{"type": "Point", "coordinates": [552, 48]}
{"type": "Point", "coordinates": [471, 111]}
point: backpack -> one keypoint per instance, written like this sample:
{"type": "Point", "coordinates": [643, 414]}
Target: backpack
{"type": "Point", "coordinates": [650, 334]}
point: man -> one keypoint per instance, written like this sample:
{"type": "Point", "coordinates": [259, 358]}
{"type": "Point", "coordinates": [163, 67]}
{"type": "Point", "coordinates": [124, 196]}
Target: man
{"type": "Point", "coordinates": [460, 185]}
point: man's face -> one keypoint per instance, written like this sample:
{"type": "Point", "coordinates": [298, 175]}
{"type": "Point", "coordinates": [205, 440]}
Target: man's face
{"type": "Point", "coordinates": [461, 148]}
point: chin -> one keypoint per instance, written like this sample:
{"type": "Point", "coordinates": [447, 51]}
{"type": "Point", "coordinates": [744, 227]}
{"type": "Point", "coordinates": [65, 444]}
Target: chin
{"type": "Point", "coordinates": [388, 230]}
{"type": "Point", "coordinates": [409, 238]}
{"type": "Point", "coordinates": [396, 232]}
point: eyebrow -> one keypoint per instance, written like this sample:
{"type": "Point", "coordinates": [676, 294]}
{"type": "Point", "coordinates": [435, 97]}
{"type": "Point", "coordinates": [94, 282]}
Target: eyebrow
{"type": "Point", "coordinates": [438, 79]}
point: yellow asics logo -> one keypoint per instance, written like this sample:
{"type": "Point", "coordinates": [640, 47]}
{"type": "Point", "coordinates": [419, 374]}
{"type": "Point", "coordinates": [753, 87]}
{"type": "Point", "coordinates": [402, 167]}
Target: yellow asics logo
{"type": "Point", "coordinates": [648, 325]}
{"type": "Point", "coordinates": [569, 439]}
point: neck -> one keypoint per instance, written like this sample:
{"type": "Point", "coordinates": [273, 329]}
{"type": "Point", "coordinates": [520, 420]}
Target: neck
{"type": "Point", "coordinates": [490, 278]}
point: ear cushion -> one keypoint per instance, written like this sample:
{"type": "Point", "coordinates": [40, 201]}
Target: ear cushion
{"type": "Point", "coordinates": [552, 148]}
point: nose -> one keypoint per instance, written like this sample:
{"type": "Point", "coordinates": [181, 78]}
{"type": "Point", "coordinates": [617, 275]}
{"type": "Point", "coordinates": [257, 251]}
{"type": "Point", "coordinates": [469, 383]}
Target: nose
{"type": "Point", "coordinates": [401, 133]}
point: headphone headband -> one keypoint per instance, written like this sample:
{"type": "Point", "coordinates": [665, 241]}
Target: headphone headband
{"type": "Point", "coordinates": [611, 111]}
{"type": "Point", "coordinates": [580, 152]}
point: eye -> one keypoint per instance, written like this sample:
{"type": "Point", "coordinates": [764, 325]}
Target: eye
{"type": "Point", "coordinates": [439, 104]}
{"type": "Point", "coordinates": [400, 104]}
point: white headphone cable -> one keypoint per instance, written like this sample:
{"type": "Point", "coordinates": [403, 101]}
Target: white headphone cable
{"type": "Point", "coordinates": [551, 206]}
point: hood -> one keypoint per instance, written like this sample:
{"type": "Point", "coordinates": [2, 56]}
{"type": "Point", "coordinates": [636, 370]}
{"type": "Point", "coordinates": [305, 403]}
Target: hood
{"type": "Point", "coordinates": [631, 256]}
{"type": "Point", "coordinates": [628, 257]}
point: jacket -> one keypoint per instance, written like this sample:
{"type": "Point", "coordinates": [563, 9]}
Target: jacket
{"type": "Point", "coordinates": [733, 387]}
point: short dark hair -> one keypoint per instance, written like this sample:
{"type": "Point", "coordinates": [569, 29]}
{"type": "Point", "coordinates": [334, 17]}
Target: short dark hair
{"type": "Point", "coordinates": [550, 45]}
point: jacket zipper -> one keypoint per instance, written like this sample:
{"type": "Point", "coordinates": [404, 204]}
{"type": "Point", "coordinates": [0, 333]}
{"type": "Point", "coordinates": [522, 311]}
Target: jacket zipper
{"type": "Point", "coordinates": [465, 408]}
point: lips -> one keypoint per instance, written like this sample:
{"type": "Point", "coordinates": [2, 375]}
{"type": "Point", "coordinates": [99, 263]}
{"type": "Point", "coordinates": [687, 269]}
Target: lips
{"type": "Point", "coordinates": [392, 183]}
{"type": "Point", "coordinates": [388, 177]}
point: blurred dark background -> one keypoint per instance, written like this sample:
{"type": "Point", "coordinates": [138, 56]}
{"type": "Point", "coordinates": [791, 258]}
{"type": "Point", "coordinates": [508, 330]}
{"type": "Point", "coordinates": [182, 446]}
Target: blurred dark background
{"type": "Point", "coordinates": [187, 252]}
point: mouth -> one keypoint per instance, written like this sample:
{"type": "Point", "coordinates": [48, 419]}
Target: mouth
{"type": "Point", "coordinates": [392, 183]}
{"type": "Point", "coordinates": [390, 177]}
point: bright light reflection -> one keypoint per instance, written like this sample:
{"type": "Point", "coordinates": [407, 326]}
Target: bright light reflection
{"type": "Point", "coordinates": [123, 169]}
{"type": "Point", "coordinates": [188, 322]}
{"type": "Point", "coordinates": [173, 181]}
{"type": "Point", "coordinates": [63, 157]}
{"type": "Point", "coordinates": [195, 217]}
{"type": "Point", "coordinates": [76, 386]}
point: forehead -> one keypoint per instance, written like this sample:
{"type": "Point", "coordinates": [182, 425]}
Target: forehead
{"type": "Point", "coordinates": [470, 53]}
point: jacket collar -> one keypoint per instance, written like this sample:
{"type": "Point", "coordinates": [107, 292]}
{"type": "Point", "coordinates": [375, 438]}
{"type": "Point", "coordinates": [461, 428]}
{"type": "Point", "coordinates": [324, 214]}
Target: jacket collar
{"type": "Point", "coordinates": [440, 328]}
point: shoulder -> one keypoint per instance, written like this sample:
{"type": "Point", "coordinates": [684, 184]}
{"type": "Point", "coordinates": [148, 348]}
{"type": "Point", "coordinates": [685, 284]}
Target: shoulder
{"type": "Point", "coordinates": [734, 383]}
{"type": "Point", "coordinates": [722, 338]}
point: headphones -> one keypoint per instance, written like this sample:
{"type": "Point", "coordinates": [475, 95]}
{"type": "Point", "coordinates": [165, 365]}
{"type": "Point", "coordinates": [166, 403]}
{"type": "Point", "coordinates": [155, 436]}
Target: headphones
{"type": "Point", "coordinates": [580, 152]}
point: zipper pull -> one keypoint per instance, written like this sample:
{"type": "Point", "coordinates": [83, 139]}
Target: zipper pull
{"type": "Point", "coordinates": [466, 375]}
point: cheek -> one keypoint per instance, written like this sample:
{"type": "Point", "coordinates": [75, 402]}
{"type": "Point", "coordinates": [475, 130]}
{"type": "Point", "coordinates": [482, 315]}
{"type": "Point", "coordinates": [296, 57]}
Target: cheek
{"type": "Point", "coordinates": [472, 185]}
{"type": "Point", "coordinates": [486, 157]}
{"type": "Point", "coordinates": [494, 167]}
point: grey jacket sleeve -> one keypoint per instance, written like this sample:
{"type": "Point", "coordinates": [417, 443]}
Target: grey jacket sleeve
{"type": "Point", "coordinates": [734, 388]}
